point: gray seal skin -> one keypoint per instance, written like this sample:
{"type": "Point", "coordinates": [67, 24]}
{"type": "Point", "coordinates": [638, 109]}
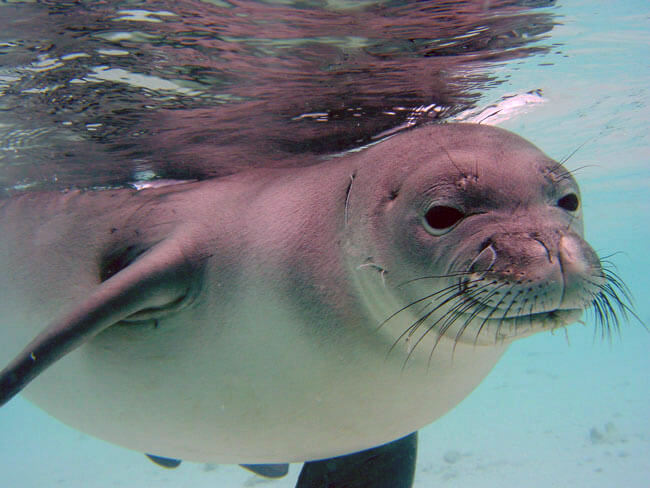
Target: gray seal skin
{"type": "Point", "coordinates": [284, 315]}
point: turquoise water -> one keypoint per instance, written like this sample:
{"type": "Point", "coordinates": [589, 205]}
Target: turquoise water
{"type": "Point", "coordinates": [556, 411]}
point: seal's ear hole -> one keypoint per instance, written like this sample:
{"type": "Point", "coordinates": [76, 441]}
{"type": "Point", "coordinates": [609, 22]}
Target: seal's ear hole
{"type": "Point", "coordinates": [440, 218]}
{"type": "Point", "coordinates": [569, 202]}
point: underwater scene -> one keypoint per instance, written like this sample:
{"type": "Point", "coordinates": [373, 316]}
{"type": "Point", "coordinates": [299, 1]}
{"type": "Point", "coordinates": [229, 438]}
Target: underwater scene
{"type": "Point", "coordinates": [101, 96]}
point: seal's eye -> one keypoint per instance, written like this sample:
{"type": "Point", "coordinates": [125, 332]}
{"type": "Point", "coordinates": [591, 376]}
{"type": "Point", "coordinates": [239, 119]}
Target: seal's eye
{"type": "Point", "coordinates": [569, 202]}
{"type": "Point", "coordinates": [440, 218]}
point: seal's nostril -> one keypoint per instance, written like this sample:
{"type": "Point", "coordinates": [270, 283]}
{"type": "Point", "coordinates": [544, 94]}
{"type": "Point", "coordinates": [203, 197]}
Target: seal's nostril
{"type": "Point", "coordinates": [484, 261]}
{"type": "Point", "coordinates": [549, 255]}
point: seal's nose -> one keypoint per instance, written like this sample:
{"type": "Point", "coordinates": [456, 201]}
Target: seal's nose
{"type": "Point", "coordinates": [524, 258]}
{"type": "Point", "coordinates": [572, 256]}
{"type": "Point", "coordinates": [540, 272]}
{"type": "Point", "coordinates": [517, 274]}
{"type": "Point", "coordinates": [581, 270]}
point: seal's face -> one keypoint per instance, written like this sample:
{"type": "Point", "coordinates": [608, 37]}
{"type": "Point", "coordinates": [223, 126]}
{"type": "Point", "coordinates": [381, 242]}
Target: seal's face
{"type": "Point", "coordinates": [490, 245]}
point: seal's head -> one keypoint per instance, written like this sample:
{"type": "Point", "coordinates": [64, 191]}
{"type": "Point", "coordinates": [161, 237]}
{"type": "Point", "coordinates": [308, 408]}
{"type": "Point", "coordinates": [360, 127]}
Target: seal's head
{"type": "Point", "coordinates": [480, 236]}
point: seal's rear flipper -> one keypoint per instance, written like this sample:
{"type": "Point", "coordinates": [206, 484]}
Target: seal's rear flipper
{"type": "Point", "coordinates": [268, 470]}
{"type": "Point", "coordinates": [168, 463]}
{"type": "Point", "coordinates": [389, 466]}
{"type": "Point", "coordinates": [156, 282]}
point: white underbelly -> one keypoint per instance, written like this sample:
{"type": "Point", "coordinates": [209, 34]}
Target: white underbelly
{"type": "Point", "coordinates": [253, 385]}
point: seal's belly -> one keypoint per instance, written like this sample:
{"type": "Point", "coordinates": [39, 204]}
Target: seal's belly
{"type": "Point", "coordinates": [254, 384]}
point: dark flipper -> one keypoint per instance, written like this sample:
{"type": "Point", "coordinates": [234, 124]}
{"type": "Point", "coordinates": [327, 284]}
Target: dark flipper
{"type": "Point", "coordinates": [165, 462]}
{"type": "Point", "coordinates": [268, 470]}
{"type": "Point", "coordinates": [154, 282]}
{"type": "Point", "coordinates": [389, 466]}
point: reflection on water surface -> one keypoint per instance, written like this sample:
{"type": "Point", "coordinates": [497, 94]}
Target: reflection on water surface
{"type": "Point", "coordinates": [101, 93]}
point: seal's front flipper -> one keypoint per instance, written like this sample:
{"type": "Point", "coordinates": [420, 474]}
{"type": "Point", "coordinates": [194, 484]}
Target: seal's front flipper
{"type": "Point", "coordinates": [268, 470]}
{"type": "Point", "coordinates": [156, 282]}
{"type": "Point", "coordinates": [164, 462]}
{"type": "Point", "coordinates": [389, 466]}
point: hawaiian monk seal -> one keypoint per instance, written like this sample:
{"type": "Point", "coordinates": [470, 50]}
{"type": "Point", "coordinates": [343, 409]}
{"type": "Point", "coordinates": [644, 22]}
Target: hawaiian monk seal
{"type": "Point", "coordinates": [291, 315]}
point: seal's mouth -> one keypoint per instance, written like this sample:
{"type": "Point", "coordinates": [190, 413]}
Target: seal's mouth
{"type": "Point", "coordinates": [473, 329]}
{"type": "Point", "coordinates": [456, 313]}
{"type": "Point", "coordinates": [487, 330]}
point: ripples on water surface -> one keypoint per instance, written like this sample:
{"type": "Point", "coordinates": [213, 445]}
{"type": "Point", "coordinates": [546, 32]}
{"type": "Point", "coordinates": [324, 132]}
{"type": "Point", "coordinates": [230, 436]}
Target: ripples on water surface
{"type": "Point", "coordinates": [102, 93]}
